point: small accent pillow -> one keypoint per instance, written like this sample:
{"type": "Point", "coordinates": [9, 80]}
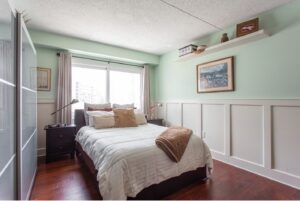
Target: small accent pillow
{"type": "Point", "coordinates": [124, 106]}
{"type": "Point", "coordinates": [140, 117]}
{"type": "Point", "coordinates": [93, 106]}
{"type": "Point", "coordinates": [104, 121]}
{"type": "Point", "coordinates": [92, 114]}
{"type": "Point", "coordinates": [124, 118]}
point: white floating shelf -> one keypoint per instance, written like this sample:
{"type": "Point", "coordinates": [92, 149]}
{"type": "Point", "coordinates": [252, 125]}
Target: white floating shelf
{"type": "Point", "coordinates": [229, 44]}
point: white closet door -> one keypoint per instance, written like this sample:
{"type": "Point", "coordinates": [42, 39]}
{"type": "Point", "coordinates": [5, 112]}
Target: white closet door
{"type": "Point", "coordinates": [7, 106]}
{"type": "Point", "coordinates": [28, 161]}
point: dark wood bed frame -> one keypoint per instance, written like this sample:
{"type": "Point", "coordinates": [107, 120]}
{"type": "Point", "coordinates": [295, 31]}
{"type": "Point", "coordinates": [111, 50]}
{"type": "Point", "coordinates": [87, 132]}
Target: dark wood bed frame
{"type": "Point", "coordinates": [155, 191]}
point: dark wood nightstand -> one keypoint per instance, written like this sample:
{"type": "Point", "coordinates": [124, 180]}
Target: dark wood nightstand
{"type": "Point", "coordinates": [158, 122]}
{"type": "Point", "coordinates": [60, 141]}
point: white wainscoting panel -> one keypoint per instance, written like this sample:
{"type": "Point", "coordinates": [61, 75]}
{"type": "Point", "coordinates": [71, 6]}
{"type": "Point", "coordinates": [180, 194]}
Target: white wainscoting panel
{"type": "Point", "coordinates": [286, 139]}
{"type": "Point", "coordinates": [213, 131]}
{"type": "Point", "coordinates": [44, 117]}
{"type": "Point", "coordinates": [173, 116]}
{"type": "Point", "coordinates": [261, 136]}
{"type": "Point", "coordinates": [191, 117]}
{"type": "Point", "coordinates": [161, 111]}
{"type": "Point", "coordinates": [247, 133]}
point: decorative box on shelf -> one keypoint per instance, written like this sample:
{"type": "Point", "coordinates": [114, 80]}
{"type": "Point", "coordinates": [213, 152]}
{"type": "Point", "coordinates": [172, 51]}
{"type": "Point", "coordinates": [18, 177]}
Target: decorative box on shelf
{"type": "Point", "coordinates": [187, 50]}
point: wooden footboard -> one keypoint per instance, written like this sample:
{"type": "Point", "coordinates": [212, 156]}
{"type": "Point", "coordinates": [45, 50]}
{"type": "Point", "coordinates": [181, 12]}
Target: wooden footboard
{"type": "Point", "coordinates": [156, 191]}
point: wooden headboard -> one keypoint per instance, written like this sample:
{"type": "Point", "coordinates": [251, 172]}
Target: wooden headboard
{"type": "Point", "coordinates": [79, 119]}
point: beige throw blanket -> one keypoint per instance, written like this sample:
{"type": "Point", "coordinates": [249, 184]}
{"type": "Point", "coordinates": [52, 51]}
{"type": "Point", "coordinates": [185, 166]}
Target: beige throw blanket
{"type": "Point", "coordinates": [173, 142]}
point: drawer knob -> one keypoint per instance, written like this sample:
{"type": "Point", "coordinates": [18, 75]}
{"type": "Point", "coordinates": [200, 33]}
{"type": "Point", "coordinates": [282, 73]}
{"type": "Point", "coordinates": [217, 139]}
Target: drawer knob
{"type": "Point", "coordinates": [60, 136]}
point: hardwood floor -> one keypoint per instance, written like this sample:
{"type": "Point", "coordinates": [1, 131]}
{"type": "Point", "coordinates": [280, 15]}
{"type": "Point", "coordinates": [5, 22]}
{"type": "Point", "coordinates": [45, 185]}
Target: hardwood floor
{"type": "Point", "coordinates": [69, 179]}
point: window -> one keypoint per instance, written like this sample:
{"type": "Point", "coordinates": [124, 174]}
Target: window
{"type": "Point", "coordinates": [125, 88]}
{"type": "Point", "coordinates": [88, 85]}
{"type": "Point", "coordinates": [100, 82]}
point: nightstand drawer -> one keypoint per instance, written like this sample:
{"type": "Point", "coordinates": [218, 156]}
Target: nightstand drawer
{"type": "Point", "coordinates": [60, 137]}
{"type": "Point", "coordinates": [56, 146]}
{"type": "Point", "coordinates": [59, 148]}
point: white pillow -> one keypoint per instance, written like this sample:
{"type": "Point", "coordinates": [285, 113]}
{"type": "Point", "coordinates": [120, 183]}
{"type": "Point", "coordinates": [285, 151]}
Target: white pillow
{"type": "Point", "coordinates": [104, 122]}
{"type": "Point", "coordinates": [124, 106]}
{"type": "Point", "coordinates": [92, 114]}
{"type": "Point", "coordinates": [95, 107]}
{"type": "Point", "coordinates": [140, 117]}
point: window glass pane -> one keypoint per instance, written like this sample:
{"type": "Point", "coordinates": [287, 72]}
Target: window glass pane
{"type": "Point", "coordinates": [88, 85]}
{"type": "Point", "coordinates": [125, 88]}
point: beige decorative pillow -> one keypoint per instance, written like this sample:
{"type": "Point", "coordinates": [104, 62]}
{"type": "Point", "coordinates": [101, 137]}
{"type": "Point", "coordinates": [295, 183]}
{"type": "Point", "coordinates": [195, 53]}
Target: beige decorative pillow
{"type": "Point", "coordinates": [140, 118]}
{"type": "Point", "coordinates": [92, 114]}
{"type": "Point", "coordinates": [124, 118]}
{"type": "Point", "coordinates": [104, 121]}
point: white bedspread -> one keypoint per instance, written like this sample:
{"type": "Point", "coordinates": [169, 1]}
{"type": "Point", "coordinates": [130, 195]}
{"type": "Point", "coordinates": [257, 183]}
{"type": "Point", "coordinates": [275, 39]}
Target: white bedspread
{"type": "Point", "coordinates": [128, 160]}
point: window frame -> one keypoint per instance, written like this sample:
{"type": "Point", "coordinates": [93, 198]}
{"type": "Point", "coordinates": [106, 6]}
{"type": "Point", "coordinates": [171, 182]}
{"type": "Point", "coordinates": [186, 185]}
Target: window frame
{"type": "Point", "coordinates": [108, 67]}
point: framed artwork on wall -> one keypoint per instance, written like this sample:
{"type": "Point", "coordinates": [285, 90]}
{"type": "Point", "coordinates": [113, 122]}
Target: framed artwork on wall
{"type": "Point", "coordinates": [43, 79]}
{"type": "Point", "coordinates": [215, 76]}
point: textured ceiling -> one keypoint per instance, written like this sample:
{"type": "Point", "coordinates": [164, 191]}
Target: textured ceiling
{"type": "Point", "coordinates": [154, 26]}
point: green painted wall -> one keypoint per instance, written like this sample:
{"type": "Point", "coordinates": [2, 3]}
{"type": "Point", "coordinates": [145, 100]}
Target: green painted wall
{"type": "Point", "coordinates": [91, 48]}
{"type": "Point", "coordinates": [264, 69]}
{"type": "Point", "coordinates": [47, 58]}
{"type": "Point", "coordinates": [48, 44]}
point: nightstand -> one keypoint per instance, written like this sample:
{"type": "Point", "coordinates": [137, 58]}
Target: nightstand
{"type": "Point", "coordinates": [158, 122]}
{"type": "Point", "coordinates": [60, 141]}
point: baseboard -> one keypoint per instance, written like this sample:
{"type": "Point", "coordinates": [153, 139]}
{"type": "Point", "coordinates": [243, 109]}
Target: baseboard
{"type": "Point", "coordinates": [259, 170]}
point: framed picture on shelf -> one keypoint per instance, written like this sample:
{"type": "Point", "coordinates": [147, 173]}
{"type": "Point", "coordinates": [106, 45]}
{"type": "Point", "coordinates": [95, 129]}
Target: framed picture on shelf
{"type": "Point", "coordinates": [247, 27]}
{"type": "Point", "coordinates": [215, 76]}
{"type": "Point", "coordinates": [43, 79]}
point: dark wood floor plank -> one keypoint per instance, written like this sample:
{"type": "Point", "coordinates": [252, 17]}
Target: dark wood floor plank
{"type": "Point", "coordinates": [69, 180]}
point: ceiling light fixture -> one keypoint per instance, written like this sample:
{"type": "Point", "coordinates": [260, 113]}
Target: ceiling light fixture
{"type": "Point", "coordinates": [190, 14]}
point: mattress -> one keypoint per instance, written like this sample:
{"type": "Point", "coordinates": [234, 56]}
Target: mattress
{"type": "Point", "coordinates": [128, 160]}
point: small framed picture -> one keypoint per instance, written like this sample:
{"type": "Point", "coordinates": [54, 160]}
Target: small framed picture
{"type": "Point", "coordinates": [215, 76]}
{"type": "Point", "coordinates": [43, 79]}
{"type": "Point", "coordinates": [248, 27]}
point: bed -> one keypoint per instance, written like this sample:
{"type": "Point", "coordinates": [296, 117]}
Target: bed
{"type": "Point", "coordinates": [126, 163]}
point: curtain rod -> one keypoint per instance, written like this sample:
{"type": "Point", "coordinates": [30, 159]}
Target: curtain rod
{"type": "Point", "coordinates": [103, 60]}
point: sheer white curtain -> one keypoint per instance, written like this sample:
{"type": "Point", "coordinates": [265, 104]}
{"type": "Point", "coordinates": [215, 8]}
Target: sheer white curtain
{"type": "Point", "coordinates": [146, 91]}
{"type": "Point", "coordinates": [64, 88]}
